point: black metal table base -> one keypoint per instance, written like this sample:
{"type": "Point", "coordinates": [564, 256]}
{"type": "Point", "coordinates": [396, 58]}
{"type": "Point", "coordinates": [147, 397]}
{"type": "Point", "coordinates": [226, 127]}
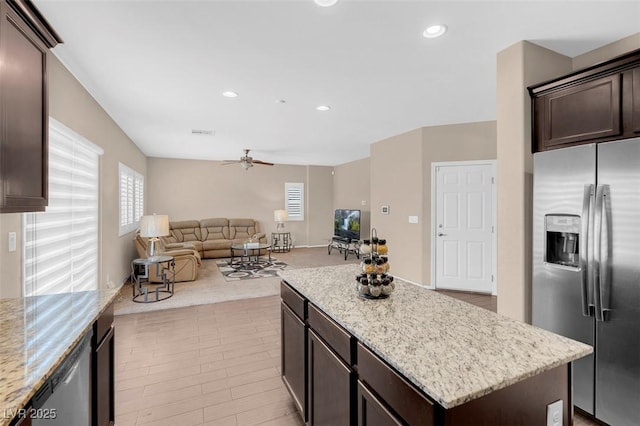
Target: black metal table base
{"type": "Point", "coordinates": [162, 290]}
{"type": "Point", "coordinates": [344, 246]}
{"type": "Point", "coordinates": [249, 258]}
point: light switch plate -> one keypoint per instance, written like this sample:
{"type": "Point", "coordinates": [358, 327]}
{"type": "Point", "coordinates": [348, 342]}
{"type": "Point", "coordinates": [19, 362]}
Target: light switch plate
{"type": "Point", "coordinates": [413, 219]}
{"type": "Point", "coordinates": [554, 413]}
{"type": "Point", "coordinates": [12, 241]}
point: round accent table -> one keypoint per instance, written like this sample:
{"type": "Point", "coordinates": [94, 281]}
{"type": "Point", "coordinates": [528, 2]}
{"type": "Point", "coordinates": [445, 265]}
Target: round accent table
{"type": "Point", "coordinates": [163, 267]}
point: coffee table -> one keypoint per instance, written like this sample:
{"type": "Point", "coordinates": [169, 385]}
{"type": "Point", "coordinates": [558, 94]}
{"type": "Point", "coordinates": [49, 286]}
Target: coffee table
{"type": "Point", "coordinates": [249, 255]}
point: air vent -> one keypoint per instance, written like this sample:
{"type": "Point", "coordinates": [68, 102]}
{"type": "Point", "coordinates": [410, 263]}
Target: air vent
{"type": "Point", "coordinates": [202, 132]}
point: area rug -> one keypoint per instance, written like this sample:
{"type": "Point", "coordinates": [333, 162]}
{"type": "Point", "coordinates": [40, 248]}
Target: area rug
{"type": "Point", "coordinates": [247, 272]}
{"type": "Point", "coordinates": [210, 287]}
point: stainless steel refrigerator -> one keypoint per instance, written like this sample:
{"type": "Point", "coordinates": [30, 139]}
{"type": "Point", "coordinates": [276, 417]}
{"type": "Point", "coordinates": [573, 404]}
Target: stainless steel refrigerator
{"type": "Point", "coordinates": [586, 268]}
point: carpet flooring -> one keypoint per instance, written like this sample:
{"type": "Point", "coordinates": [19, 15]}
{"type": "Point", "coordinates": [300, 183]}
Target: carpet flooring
{"type": "Point", "coordinates": [212, 287]}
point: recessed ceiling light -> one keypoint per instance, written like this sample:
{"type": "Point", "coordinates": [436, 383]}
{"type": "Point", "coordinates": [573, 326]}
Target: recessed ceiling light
{"type": "Point", "coordinates": [325, 3]}
{"type": "Point", "coordinates": [435, 31]}
{"type": "Point", "coordinates": [230, 94]}
{"type": "Point", "coordinates": [323, 107]}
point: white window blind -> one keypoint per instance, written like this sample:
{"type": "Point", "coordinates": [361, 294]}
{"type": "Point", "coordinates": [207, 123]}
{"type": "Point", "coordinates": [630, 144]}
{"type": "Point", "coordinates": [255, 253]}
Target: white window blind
{"type": "Point", "coordinates": [294, 200]}
{"type": "Point", "coordinates": [61, 244]}
{"type": "Point", "coordinates": [131, 199]}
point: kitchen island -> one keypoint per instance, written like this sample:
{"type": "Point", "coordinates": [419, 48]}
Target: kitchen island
{"type": "Point", "coordinates": [418, 357]}
{"type": "Point", "coordinates": [36, 335]}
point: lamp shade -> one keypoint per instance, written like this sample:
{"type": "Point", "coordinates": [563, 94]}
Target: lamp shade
{"type": "Point", "coordinates": [279, 215]}
{"type": "Point", "coordinates": [156, 225]}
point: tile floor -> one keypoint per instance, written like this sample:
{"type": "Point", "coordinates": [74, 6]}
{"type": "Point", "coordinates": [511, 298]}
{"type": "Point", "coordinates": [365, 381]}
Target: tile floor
{"type": "Point", "coordinates": [216, 364]}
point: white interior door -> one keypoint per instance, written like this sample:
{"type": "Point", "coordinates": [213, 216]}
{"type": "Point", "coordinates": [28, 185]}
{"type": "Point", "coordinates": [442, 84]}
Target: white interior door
{"type": "Point", "coordinates": [464, 228]}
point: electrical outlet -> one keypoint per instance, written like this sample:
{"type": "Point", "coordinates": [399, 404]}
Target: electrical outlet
{"type": "Point", "coordinates": [554, 413]}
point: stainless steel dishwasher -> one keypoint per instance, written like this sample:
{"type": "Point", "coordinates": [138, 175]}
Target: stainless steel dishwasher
{"type": "Point", "coordinates": [66, 395]}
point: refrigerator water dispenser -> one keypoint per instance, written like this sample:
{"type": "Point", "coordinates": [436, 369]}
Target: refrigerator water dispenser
{"type": "Point", "coordinates": [562, 240]}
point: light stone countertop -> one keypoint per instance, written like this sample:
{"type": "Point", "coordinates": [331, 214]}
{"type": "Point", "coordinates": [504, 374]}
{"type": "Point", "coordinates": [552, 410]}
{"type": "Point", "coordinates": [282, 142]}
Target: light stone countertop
{"type": "Point", "coordinates": [36, 334]}
{"type": "Point", "coordinates": [451, 350]}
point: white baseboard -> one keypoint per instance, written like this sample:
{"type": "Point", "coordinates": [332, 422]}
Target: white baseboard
{"type": "Point", "coordinates": [430, 287]}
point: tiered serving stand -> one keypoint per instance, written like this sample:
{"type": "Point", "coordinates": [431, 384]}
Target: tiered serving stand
{"type": "Point", "coordinates": [374, 282]}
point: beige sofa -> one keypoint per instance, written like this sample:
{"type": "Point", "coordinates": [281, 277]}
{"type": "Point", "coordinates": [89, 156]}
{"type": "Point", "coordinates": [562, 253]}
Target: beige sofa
{"type": "Point", "coordinates": [187, 259]}
{"type": "Point", "coordinates": [213, 238]}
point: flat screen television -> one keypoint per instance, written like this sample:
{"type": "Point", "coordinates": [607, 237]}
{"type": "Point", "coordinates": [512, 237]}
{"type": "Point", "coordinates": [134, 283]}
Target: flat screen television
{"type": "Point", "coordinates": [346, 224]}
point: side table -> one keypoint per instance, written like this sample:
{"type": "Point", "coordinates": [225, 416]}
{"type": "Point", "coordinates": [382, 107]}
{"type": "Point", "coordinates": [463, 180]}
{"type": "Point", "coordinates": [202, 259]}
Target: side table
{"type": "Point", "coordinates": [280, 242]}
{"type": "Point", "coordinates": [164, 267]}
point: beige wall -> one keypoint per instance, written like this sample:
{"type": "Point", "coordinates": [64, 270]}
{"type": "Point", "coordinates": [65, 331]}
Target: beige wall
{"type": "Point", "coordinates": [401, 179]}
{"type": "Point", "coordinates": [351, 190]}
{"type": "Point", "coordinates": [319, 205]}
{"type": "Point", "coordinates": [198, 189]}
{"type": "Point", "coordinates": [455, 142]}
{"type": "Point", "coordinates": [519, 66]}
{"type": "Point", "coordinates": [72, 105]}
{"type": "Point", "coordinates": [609, 51]}
{"type": "Point", "coordinates": [397, 182]}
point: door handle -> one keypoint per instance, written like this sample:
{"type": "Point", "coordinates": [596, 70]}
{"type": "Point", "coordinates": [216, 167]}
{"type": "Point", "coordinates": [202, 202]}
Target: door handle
{"type": "Point", "coordinates": [585, 255]}
{"type": "Point", "coordinates": [440, 234]}
{"type": "Point", "coordinates": [600, 265]}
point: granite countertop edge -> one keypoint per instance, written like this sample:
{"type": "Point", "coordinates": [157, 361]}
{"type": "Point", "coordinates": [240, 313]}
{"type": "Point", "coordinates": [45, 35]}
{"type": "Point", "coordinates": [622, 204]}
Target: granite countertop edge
{"type": "Point", "coordinates": [450, 401]}
{"type": "Point", "coordinates": [14, 399]}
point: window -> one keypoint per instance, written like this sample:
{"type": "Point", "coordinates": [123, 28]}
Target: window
{"type": "Point", "coordinates": [131, 199]}
{"type": "Point", "coordinates": [294, 200]}
{"type": "Point", "coordinates": [61, 244]}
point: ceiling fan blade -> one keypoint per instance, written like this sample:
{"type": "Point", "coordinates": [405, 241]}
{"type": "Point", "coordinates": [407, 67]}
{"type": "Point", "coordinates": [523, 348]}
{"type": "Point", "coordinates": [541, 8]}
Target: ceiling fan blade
{"type": "Point", "coordinates": [264, 163]}
{"type": "Point", "coordinates": [227, 162]}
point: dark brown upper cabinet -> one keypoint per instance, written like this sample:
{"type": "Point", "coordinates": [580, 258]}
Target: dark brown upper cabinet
{"type": "Point", "coordinates": [25, 37]}
{"type": "Point", "coordinates": [597, 104]}
{"type": "Point", "coordinates": [635, 100]}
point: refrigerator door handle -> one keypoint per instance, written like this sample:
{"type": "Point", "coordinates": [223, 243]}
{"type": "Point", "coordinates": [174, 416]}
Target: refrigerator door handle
{"type": "Point", "coordinates": [585, 264]}
{"type": "Point", "coordinates": [600, 265]}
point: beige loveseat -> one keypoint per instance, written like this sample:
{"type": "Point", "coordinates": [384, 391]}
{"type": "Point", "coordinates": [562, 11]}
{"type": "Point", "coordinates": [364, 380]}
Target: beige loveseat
{"type": "Point", "coordinates": [187, 259]}
{"type": "Point", "coordinates": [213, 238]}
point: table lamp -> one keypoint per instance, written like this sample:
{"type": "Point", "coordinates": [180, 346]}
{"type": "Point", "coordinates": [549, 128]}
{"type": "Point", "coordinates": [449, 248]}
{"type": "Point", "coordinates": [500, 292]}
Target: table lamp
{"type": "Point", "coordinates": [152, 227]}
{"type": "Point", "coordinates": [280, 216]}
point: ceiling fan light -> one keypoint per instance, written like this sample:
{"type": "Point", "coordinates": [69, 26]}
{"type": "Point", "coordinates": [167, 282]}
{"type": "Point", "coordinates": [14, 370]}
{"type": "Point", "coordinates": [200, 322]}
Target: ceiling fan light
{"type": "Point", "coordinates": [246, 165]}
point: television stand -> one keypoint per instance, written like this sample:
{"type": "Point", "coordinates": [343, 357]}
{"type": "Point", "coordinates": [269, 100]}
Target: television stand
{"type": "Point", "coordinates": [344, 246]}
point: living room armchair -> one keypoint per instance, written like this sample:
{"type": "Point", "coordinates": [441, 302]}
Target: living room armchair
{"type": "Point", "coordinates": [187, 259]}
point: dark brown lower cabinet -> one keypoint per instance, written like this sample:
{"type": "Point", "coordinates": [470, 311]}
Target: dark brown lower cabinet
{"type": "Point", "coordinates": [103, 370]}
{"type": "Point", "coordinates": [22, 421]}
{"type": "Point", "coordinates": [330, 386]}
{"type": "Point", "coordinates": [346, 383]}
{"type": "Point", "coordinates": [406, 402]}
{"type": "Point", "coordinates": [373, 412]}
{"type": "Point", "coordinates": [294, 355]}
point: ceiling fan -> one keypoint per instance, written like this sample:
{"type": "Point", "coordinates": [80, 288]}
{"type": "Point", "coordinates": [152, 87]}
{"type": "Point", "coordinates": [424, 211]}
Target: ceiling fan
{"type": "Point", "coordinates": [246, 162]}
